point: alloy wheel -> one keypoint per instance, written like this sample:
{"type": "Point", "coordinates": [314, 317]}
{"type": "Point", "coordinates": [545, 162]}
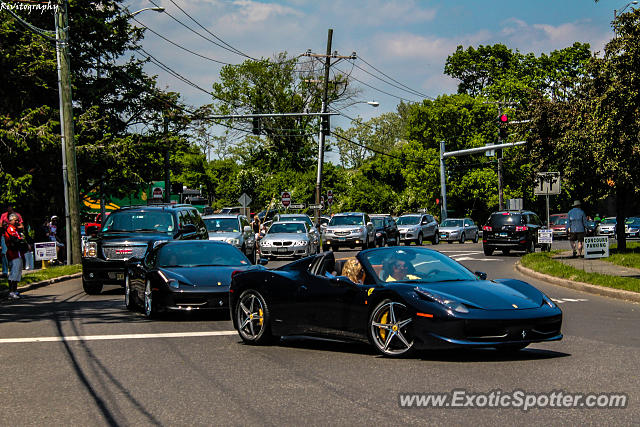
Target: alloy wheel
{"type": "Point", "coordinates": [251, 317]}
{"type": "Point", "coordinates": [148, 300]}
{"type": "Point", "coordinates": [389, 328]}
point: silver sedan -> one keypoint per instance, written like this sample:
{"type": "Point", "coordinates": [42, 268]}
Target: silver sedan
{"type": "Point", "coordinates": [288, 239]}
{"type": "Point", "coordinates": [458, 229]}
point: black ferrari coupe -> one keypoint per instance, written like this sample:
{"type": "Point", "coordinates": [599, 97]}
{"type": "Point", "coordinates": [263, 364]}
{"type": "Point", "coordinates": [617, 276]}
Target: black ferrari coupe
{"type": "Point", "coordinates": [405, 299]}
{"type": "Point", "coordinates": [183, 275]}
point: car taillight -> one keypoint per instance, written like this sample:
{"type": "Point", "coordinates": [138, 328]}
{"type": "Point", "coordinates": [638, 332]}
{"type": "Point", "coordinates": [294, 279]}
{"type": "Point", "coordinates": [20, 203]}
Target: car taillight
{"type": "Point", "coordinates": [486, 228]}
{"type": "Point", "coordinates": [521, 228]}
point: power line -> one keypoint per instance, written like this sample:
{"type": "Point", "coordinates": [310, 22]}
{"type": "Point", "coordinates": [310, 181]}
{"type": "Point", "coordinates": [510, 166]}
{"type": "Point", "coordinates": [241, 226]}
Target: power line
{"type": "Point", "coordinates": [411, 91]}
{"type": "Point", "coordinates": [391, 78]}
{"type": "Point", "coordinates": [377, 89]}
{"type": "Point", "coordinates": [404, 159]}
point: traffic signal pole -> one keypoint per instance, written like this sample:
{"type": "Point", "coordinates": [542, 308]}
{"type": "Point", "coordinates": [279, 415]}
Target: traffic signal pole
{"type": "Point", "coordinates": [325, 95]}
{"type": "Point", "coordinates": [499, 157]}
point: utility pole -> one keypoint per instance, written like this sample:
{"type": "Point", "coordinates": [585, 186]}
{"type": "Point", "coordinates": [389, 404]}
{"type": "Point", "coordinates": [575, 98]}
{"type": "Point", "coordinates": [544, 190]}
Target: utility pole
{"type": "Point", "coordinates": [167, 172]}
{"type": "Point", "coordinates": [69, 169]}
{"type": "Point", "coordinates": [443, 183]}
{"type": "Point", "coordinates": [499, 157]}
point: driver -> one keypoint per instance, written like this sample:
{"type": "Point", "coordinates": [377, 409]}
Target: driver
{"type": "Point", "coordinates": [399, 269]}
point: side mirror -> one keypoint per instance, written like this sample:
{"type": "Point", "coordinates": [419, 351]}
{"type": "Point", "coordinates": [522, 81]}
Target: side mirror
{"type": "Point", "coordinates": [481, 275]}
{"type": "Point", "coordinates": [247, 229]}
{"type": "Point", "coordinates": [91, 230]}
{"type": "Point", "coordinates": [262, 261]}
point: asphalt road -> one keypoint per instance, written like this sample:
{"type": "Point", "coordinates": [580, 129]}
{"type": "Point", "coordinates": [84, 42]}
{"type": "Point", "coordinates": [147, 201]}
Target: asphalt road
{"type": "Point", "coordinates": [117, 368]}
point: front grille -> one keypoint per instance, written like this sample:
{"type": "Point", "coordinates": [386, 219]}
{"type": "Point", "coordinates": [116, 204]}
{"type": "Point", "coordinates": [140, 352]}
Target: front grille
{"type": "Point", "coordinates": [123, 252]}
{"type": "Point", "coordinates": [512, 330]}
{"type": "Point", "coordinates": [342, 233]}
{"type": "Point", "coordinates": [282, 243]}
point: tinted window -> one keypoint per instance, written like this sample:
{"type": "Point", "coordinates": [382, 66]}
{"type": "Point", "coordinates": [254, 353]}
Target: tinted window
{"type": "Point", "coordinates": [451, 223]}
{"type": "Point", "coordinates": [222, 225]}
{"type": "Point", "coordinates": [609, 221]}
{"type": "Point", "coordinates": [409, 220]}
{"type": "Point", "coordinates": [499, 219]}
{"type": "Point", "coordinates": [140, 221]}
{"type": "Point", "coordinates": [287, 227]}
{"type": "Point", "coordinates": [346, 220]}
{"type": "Point", "coordinates": [296, 218]}
{"type": "Point", "coordinates": [558, 220]}
{"type": "Point", "coordinates": [200, 253]}
{"type": "Point", "coordinates": [378, 222]}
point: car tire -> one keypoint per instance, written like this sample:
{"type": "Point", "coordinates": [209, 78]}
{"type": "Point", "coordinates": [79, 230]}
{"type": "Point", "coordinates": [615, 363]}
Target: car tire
{"type": "Point", "coordinates": [488, 250]}
{"type": "Point", "coordinates": [462, 238]}
{"type": "Point", "coordinates": [92, 288]}
{"type": "Point", "coordinates": [436, 238]}
{"type": "Point", "coordinates": [253, 318]}
{"type": "Point", "coordinates": [394, 340]}
{"type": "Point", "coordinates": [449, 241]}
{"type": "Point", "coordinates": [531, 247]}
{"type": "Point", "coordinates": [419, 240]}
{"type": "Point", "coordinates": [475, 239]}
{"type": "Point", "coordinates": [129, 302]}
{"type": "Point", "coordinates": [150, 307]}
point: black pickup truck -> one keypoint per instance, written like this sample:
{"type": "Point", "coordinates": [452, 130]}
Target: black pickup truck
{"type": "Point", "coordinates": [127, 233]}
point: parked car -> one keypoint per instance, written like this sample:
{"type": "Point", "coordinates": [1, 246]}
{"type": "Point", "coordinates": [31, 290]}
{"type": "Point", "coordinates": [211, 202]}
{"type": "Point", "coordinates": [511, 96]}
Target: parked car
{"type": "Point", "coordinates": [632, 227]}
{"type": "Point", "coordinates": [417, 228]}
{"type": "Point", "coordinates": [386, 230]}
{"type": "Point", "coordinates": [233, 229]}
{"type": "Point", "coordinates": [126, 234]}
{"type": "Point", "coordinates": [289, 239]}
{"type": "Point", "coordinates": [559, 227]}
{"type": "Point", "coordinates": [507, 230]}
{"type": "Point", "coordinates": [409, 299]}
{"type": "Point", "coordinates": [349, 229]}
{"type": "Point", "coordinates": [458, 229]}
{"type": "Point", "coordinates": [554, 218]}
{"type": "Point", "coordinates": [313, 231]}
{"type": "Point", "coordinates": [183, 276]}
{"type": "Point", "coordinates": [607, 227]}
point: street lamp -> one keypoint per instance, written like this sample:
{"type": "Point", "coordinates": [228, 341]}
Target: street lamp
{"type": "Point", "coordinates": [616, 12]}
{"type": "Point", "coordinates": [155, 9]}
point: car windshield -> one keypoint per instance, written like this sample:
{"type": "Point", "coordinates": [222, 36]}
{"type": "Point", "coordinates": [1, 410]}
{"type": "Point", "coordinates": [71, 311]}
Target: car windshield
{"type": "Point", "coordinates": [409, 220]}
{"type": "Point", "coordinates": [609, 221]}
{"type": "Point", "coordinates": [418, 265]}
{"type": "Point", "coordinates": [153, 221]}
{"type": "Point", "coordinates": [555, 220]}
{"type": "Point", "coordinates": [287, 227]}
{"type": "Point", "coordinates": [451, 223]}
{"type": "Point", "coordinates": [346, 220]}
{"type": "Point", "coordinates": [222, 225]}
{"type": "Point", "coordinates": [296, 218]}
{"type": "Point", "coordinates": [504, 218]}
{"type": "Point", "coordinates": [377, 222]}
{"type": "Point", "coordinates": [199, 254]}
{"type": "Point", "coordinates": [632, 220]}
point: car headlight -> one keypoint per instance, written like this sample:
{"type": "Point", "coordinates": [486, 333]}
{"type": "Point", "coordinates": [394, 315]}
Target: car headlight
{"type": "Point", "coordinates": [265, 243]}
{"type": "Point", "coordinates": [91, 250]}
{"type": "Point", "coordinates": [447, 303]}
{"type": "Point", "coordinates": [232, 240]}
{"type": "Point", "coordinates": [172, 283]}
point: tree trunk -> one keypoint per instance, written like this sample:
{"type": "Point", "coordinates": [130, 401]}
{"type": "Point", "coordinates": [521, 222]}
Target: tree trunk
{"type": "Point", "coordinates": [621, 210]}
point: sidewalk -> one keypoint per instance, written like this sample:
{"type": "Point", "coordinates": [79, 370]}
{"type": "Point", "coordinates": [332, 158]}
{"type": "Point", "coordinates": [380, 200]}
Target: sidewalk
{"type": "Point", "coordinates": [596, 265]}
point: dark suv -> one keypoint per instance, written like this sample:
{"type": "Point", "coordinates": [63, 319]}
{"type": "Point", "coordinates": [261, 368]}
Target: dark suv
{"type": "Point", "coordinates": [126, 234]}
{"type": "Point", "coordinates": [386, 230]}
{"type": "Point", "coordinates": [506, 230]}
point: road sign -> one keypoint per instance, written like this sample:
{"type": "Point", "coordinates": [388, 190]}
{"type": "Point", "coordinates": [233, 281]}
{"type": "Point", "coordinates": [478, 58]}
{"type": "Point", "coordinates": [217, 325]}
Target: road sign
{"type": "Point", "coordinates": [45, 251]}
{"type": "Point", "coordinates": [297, 206]}
{"type": "Point", "coordinates": [514, 204]}
{"type": "Point", "coordinates": [320, 206]}
{"type": "Point", "coordinates": [490, 153]}
{"type": "Point", "coordinates": [596, 247]}
{"type": "Point", "coordinates": [330, 197]}
{"type": "Point", "coordinates": [547, 183]}
{"type": "Point", "coordinates": [545, 236]}
{"type": "Point", "coordinates": [157, 192]}
{"type": "Point", "coordinates": [285, 198]}
{"type": "Point", "coordinates": [244, 200]}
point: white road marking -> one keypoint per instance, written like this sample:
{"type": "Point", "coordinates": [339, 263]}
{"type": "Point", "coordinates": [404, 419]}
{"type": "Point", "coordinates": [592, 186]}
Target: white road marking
{"type": "Point", "coordinates": [117, 337]}
{"type": "Point", "coordinates": [563, 300]}
{"type": "Point", "coordinates": [468, 258]}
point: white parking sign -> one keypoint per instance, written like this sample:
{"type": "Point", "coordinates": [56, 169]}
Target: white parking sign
{"type": "Point", "coordinates": [545, 236]}
{"type": "Point", "coordinates": [596, 247]}
{"type": "Point", "coordinates": [45, 251]}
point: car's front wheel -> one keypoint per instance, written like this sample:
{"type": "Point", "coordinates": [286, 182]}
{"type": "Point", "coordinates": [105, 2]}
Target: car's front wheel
{"type": "Point", "coordinates": [419, 240]}
{"type": "Point", "coordinates": [475, 239]}
{"type": "Point", "coordinates": [389, 326]}
{"type": "Point", "coordinates": [150, 308]}
{"type": "Point", "coordinates": [436, 238]}
{"type": "Point", "coordinates": [253, 318]}
{"type": "Point", "coordinates": [488, 250]}
{"type": "Point", "coordinates": [462, 238]}
{"type": "Point", "coordinates": [92, 288]}
{"type": "Point", "coordinates": [128, 300]}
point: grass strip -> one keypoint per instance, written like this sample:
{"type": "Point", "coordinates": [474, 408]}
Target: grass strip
{"type": "Point", "coordinates": [628, 258]}
{"type": "Point", "coordinates": [543, 263]}
{"type": "Point", "coordinates": [46, 274]}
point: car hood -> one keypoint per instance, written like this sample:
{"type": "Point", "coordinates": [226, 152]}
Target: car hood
{"type": "Point", "coordinates": [280, 237]}
{"type": "Point", "coordinates": [134, 238]}
{"type": "Point", "coordinates": [222, 236]}
{"type": "Point", "coordinates": [408, 227]}
{"type": "Point", "coordinates": [344, 228]}
{"type": "Point", "coordinates": [488, 294]}
{"type": "Point", "coordinates": [450, 229]}
{"type": "Point", "coordinates": [214, 276]}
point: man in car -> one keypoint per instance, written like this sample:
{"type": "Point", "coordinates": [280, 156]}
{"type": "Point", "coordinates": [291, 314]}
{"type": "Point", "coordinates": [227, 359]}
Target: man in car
{"type": "Point", "coordinates": [576, 225]}
{"type": "Point", "coordinates": [399, 269]}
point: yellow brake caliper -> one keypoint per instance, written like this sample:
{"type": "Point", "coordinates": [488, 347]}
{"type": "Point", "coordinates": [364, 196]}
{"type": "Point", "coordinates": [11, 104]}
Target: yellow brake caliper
{"type": "Point", "coordinates": [260, 313]}
{"type": "Point", "coordinates": [383, 320]}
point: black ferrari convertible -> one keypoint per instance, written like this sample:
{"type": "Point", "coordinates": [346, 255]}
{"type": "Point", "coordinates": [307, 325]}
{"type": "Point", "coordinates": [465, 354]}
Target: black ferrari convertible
{"type": "Point", "coordinates": [404, 299]}
{"type": "Point", "coordinates": [183, 275]}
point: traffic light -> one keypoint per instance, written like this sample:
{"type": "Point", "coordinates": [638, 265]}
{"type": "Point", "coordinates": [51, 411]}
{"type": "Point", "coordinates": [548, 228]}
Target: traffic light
{"type": "Point", "coordinates": [437, 202]}
{"type": "Point", "coordinates": [503, 120]}
{"type": "Point", "coordinates": [325, 125]}
{"type": "Point", "coordinates": [256, 126]}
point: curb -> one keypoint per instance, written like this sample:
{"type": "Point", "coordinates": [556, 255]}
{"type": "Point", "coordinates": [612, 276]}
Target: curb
{"type": "Point", "coordinates": [36, 285]}
{"type": "Point", "coordinates": [581, 286]}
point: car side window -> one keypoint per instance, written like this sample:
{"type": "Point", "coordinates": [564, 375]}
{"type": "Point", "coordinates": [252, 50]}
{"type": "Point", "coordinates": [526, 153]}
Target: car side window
{"type": "Point", "coordinates": [367, 220]}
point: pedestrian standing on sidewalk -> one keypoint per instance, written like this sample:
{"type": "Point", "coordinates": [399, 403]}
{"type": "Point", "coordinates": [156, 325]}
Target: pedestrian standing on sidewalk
{"type": "Point", "coordinates": [576, 225]}
{"type": "Point", "coordinates": [15, 244]}
{"type": "Point", "coordinates": [4, 222]}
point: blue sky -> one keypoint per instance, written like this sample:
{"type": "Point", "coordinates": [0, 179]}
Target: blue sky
{"type": "Point", "coordinates": [408, 40]}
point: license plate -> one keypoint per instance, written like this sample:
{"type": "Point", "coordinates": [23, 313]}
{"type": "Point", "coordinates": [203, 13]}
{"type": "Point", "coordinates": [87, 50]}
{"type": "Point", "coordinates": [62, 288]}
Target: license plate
{"type": "Point", "coordinates": [117, 276]}
{"type": "Point", "coordinates": [443, 235]}
{"type": "Point", "coordinates": [342, 239]}
{"type": "Point", "coordinates": [502, 234]}
{"type": "Point", "coordinates": [282, 250]}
